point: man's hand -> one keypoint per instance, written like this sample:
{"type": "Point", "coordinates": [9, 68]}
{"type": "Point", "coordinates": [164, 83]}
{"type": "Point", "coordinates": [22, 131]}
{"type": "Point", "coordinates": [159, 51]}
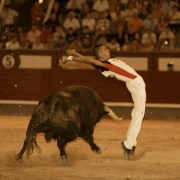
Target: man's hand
{"type": "Point", "coordinates": [71, 52]}
{"type": "Point", "coordinates": [62, 62]}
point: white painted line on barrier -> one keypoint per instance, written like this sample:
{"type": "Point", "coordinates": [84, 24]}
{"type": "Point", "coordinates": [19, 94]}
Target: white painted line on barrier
{"type": "Point", "coordinates": [114, 104]}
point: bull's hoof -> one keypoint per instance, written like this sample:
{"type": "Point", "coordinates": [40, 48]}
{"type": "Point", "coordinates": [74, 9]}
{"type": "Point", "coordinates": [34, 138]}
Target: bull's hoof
{"type": "Point", "coordinates": [18, 157]}
{"type": "Point", "coordinates": [63, 160]}
{"type": "Point", "coordinates": [97, 151]}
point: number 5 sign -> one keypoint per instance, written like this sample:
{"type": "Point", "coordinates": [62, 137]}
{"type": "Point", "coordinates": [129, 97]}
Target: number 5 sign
{"type": "Point", "coordinates": [8, 61]}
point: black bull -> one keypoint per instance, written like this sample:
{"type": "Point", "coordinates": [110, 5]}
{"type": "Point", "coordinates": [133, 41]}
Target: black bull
{"type": "Point", "coordinates": [65, 115]}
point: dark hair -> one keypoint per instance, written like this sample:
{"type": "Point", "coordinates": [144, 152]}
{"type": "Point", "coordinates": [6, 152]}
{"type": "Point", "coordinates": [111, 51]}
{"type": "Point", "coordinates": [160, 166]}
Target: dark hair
{"type": "Point", "coordinates": [96, 49]}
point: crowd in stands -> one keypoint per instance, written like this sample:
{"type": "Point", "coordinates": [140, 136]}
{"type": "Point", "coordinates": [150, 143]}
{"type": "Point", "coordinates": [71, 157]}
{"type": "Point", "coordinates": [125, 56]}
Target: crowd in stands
{"type": "Point", "coordinates": [121, 25]}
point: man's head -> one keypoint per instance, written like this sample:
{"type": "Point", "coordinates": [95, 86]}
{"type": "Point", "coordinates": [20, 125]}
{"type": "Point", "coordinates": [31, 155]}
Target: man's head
{"type": "Point", "coordinates": [101, 52]}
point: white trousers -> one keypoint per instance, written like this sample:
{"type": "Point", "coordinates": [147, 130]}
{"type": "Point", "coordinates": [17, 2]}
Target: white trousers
{"type": "Point", "coordinates": [138, 93]}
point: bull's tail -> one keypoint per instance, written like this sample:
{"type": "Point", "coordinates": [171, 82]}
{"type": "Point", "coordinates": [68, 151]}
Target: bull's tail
{"type": "Point", "coordinates": [31, 143]}
{"type": "Point", "coordinates": [111, 113]}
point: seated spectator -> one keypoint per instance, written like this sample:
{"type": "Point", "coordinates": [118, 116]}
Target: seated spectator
{"type": "Point", "coordinates": [136, 23]}
{"type": "Point", "coordinates": [76, 44]}
{"type": "Point", "coordinates": [89, 21]}
{"type": "Point", "coordinates": [120, 35]}
{"type": "Point", "coordinates": [118, 10]}
{"type": "Point", "coordinates": [24, 43]}
{"type": "Point", "coordinates": [174, 19]}
{"type": "Point", "coordinates": [13, 43]}
{"type": "Point", "coordinates": [101, 40]}
{"type": "Point", "coordinates": [62, 44]}
{"type": "Point", "coordinates": [162, 24]}
{"type": "Point", "coordinates": [19, 33]}
{"type": "Point", "coordinates": [158, 11]}
{"type": "Point", "coordinates": [71, 22]}
{"type": "Point", "coordinates": [38, 45]}
{"type": "Point", "coordinates": [150, 23]}
{"type": "Point", "coordinates": [8, 16]}
{"type": "Point", "coordinates": [100, 6]}
{"type": "Point", "coordinates": [128, 13]}
{"type": "Point", "coordinates": [167, 5]}
{"type": "Point", "coordinates": [6, 36]}
{"type": "Point", "coordinates": [37, 15]}
{"type": "Point", "coordinates": [113, 45]}
{"type": "Point", "coordinates": [149, 40]}
{"type": "Point", "coordinates": [143, 13]}
{"type": "Point", "coordinates": [70, 3]}
{"type": "Point", "coordinates": [71, 35]}
{"type": "Point", "coordinates": [46, 34]}
{"type": "Point", "coordinates": [133, 47]}
{"type": "Point", "coordinates": [86, 33]}
{"type": "Point", "coordinates": [57, 9]}
{"type": "Point", "coordinates": [85, 9]}
{"type": "Point", "coordinates": [53, 22]}
{"type": "Point", "coordinates": [168, 45]}
{"type": "Point", "coordinates": [86, 45]}
{"type": "Point", "coordinates": [124, 4]}
{"type": "Point", "coordinates": [131, 35]}
{"type": "Point", "coordinates": [50, 44]}
{"type": "Point", "coordinates": [74, 8]}
{"type": "Point", "coordinates": [118, 22]}
{"type": "Point", "coordinates": [103, 22]}
{"type": "Point", "coordinates": [100, 33]}
{"type": "Point", "coordinates": [32, 34]}
{"type": "Point", "coordinates": [166, 38]}
{"type": "Point", "coordinates": [58, 33]}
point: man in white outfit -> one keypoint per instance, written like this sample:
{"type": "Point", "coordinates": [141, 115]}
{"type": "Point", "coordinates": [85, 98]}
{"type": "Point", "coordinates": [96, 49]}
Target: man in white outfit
{"type": "Point", "coordinates": [113, 67]}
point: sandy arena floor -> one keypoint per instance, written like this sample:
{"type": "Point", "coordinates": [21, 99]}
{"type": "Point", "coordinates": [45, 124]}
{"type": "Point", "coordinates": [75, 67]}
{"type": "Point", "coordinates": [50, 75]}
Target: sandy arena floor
{"type": "Point", "coordinates": [157, 156]}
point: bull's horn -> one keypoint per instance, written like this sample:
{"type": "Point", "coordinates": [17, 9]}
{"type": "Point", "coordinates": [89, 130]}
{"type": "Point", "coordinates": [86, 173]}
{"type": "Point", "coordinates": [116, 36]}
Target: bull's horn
{"type": "Point", "coordinates": [111, 113]}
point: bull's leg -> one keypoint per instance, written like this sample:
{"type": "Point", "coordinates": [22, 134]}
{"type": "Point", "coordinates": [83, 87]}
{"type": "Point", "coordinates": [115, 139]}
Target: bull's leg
{"type": "Point", "coordinates": [61, 145]}
{"type": "Point", "coordinates": [88, 137]}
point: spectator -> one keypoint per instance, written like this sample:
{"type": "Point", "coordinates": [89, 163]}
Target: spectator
{"type": "Point", "coordinates": [113, 45]}
{"type": "Point", "coordinates": [150, 23]}
{"type": "Point", "coordinates": [71, 35]}
{"type": "Point", "coordinates": [86, 44]}
{"type": "Point", "coordinates": [19, 33]}
{"type": "Point", "coordinates": [50, 44]}
{"type": "Point", "coordinates": [74, 8]}
{"type": "Point", "coordinates": [124, 4]}
{"type": "Point", "coordinates": [119, 21]}
{"type": "Point", "coordinates": [46, 34]}
{"type": "Point", "coordinates": [57, 9]}
{"type": "Point", "coordinates": [86, 33]}
{"type": "Point", "coordinates": [70, 3]}
{"type": "Point", "coordinates": [133, 47]}
{"type": "Point", "coordinates": [71, 22]}
{"type": "Point", "coordinates": [162, 24]}
{"type": "Point", "coordinates": [24, 43]}
{"type": "Point", "coordinates": [101, 40]}
{"type": "Point", "coordinates": [118, 10]}
{"type": "Point", "coordinates": [131, 35]}
{"type": "Point", "coordinates": [76, 44]}
{"type": "Point", "coordinates": [120, 35]}
{"type": "Point", "coordinates": [174, 19]}
{"type": "Point", "coordinates": [128, 14]}
{"type": "Point", "coordinates": [8, 17]}
{"type": "Point", "coordinates": [32, 34]}
{"type": "Point", "coordinates": [167, 5]}
{"type": "Point", "coordinates": [89, 21]}
{"type": "Point", "coordinates": [143, 13]}
{"type": "Point", "coordinates": [100, 6]}
{"type": "Point", "coordinates": [58, 33]}
{"type": "Point", "coordinates": [103, 22]}
{"type": "Point", "coordinates": [170, 66]}
{"type": "Point", "coordinates": [158, 11]}
{"type": "Point", "coordinates": [135, 22]}
{"type": "Point", "coordinates": [166, 39]}
{"type": "Point", "coordinates": [37, 15]}
{"type": "Point", "coordinates": [62, 44]}
{"type": "Point", "coordinates": [177, 45]}
{"type": "Point", "coordinates": [13, 43]}
{"type": "Point", "coordinates": [149, 40]}
{"type": "Point", "coordinates": [38, 45]}
{"type": "Point", "coordinates": [52, 21]}
{"type": "Point", "coordinates": [85, 10]}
